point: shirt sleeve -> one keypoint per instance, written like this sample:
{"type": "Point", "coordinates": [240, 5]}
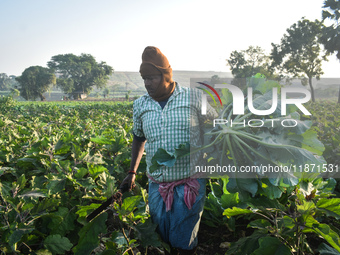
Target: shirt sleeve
{"type": "Point", "coordinates": [138, 138]}
{"type": "Point", "coordinates": [137, 120]}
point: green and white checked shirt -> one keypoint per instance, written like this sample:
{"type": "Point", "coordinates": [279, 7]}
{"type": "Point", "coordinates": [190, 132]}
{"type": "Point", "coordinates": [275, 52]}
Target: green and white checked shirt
{"type": "Point", "coordinates": [168, 128]}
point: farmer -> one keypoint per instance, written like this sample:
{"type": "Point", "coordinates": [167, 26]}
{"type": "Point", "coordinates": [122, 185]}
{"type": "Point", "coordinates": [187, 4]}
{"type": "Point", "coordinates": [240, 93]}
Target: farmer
{"type": "Point", "coordinates": [161, 120]}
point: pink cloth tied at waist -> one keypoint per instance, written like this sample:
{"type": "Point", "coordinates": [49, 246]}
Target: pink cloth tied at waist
{"type": "Point", "coordinates": [166, 190]}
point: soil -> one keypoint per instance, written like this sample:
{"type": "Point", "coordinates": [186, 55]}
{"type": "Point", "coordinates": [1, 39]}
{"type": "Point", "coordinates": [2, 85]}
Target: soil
{"type": "Point", "coordinates": [212, 241]}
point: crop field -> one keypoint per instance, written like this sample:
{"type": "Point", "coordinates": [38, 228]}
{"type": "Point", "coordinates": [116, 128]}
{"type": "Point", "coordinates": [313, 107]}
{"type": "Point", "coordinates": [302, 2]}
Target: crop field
{"type": "Point", "coordinates": [60, 160]}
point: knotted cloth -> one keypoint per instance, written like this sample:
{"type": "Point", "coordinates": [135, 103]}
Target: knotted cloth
{"type": "Point", "coordinates": [154, 62]}
{"type": "Point", "coordinates": [166, 190]}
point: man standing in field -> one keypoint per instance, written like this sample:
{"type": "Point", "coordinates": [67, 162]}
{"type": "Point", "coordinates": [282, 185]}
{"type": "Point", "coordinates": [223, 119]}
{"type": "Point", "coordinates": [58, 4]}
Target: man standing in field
{"type": "Point", "coordinates": [162, 120]}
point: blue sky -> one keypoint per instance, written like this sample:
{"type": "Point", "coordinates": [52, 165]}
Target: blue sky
{"type": "Point", "coordinates": [194, 34]}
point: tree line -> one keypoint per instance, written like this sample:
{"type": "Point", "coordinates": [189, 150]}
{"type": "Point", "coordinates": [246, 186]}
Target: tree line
{"type": "Point", "coordinates": [299, 53]}
{"type": "Point", "coordinates": [74, 75]}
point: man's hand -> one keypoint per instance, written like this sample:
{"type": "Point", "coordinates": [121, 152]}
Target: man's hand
{"type": "Point", "coordinates": [128, 183]}
{"type": "Point", "coordinates": [137, 152]}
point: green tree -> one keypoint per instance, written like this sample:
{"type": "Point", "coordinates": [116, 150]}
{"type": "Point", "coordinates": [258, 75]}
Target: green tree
{"type": "Point", "coordinates": [127, 95]}
{"type": "Point", "coordinates": [331, 34]}
{"type": "Point", "coordinates": [215, 79]}
{"type": "Point", "coordinates": [15, 93]}
{"type": "Point", "coordinates": [106, 92]}
{"type": "Point", "coordinates": [5, 81]}
{"type": "Point", "coordinates": [299, 52]}
{"type": "Point", "coordinates": [13, 82]}
{"type": "Point", "coordinates": [78, 74]}
{"type": "Point", "coordinates": [34, 81]}
{"type": "Point", "coordinates": [246, 63]}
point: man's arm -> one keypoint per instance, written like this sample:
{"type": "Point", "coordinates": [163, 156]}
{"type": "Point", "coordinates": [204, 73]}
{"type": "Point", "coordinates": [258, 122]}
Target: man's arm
{"type": "Point", "coordinates": [137, 153]}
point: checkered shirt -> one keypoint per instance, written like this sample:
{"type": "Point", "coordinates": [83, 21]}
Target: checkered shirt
{"type": "Point", "coordinates": [168, 128]}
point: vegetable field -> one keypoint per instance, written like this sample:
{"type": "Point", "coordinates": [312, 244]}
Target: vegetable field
{"type": "Point", "coordinates": [60, 160]}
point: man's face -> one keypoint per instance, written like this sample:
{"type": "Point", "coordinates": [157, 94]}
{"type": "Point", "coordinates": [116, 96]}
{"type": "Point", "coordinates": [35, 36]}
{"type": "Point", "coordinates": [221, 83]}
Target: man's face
{"type": "Point", "coordinates": [151, 83]}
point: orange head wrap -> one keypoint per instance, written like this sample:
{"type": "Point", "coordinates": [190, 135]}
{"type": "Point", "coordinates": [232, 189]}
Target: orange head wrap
{"type": "Point", "coordinates": [155, 63]}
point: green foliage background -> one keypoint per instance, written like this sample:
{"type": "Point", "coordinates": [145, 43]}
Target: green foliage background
{"type": "Point", "coordinates": [60, 161]}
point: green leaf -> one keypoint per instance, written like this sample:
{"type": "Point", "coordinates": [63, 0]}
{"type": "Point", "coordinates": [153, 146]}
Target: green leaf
{"type": "Point", "coordinates": [16, 236]}
{"type": "Point", "coordinates": [328, 234]}
{"type": "Point", "coordinates": [288, 222]}
{"type": "Point", "coordinates": [306, 208]}
{"type": "Point", "coordinates": [181, 150]}
{"type": "Point", "coordinates": [82, 212]}
{"type": "Point", "coordinates": [226, 97]}
{"type": "Point", "coordinates": [88, 235]}
{"type": "Point", "coordinates": [271, 246]}
{"type": "Point", "coordinates": [259, 223]}
{"type": "Point", "coordinates": [229, 200]}
{"type": "Point", "coordinates": [22, 181]}
{"type": "Point", "coordinates": [65, 165]}
{"type": "Point", "coordinates": [107, 183]}
{"type": "Point", "coordinates": [95, 170]}
{"type": "Point", "coordinates": [130, 203]}
{"type": "Point", "coordinates": [236, 211]}
{"type": "Point", "coordinates": [120, 240]}
{"type": "Point", "coordinates": [324, 249]}
{"type": "Point", "coordinates": [242, 184]}
{"type": "Point", "coordinates": [43, 252]}
{"type": "Point", "coordinates": [246, 245]}
{"type": "Point", "coordinates": [162, 158]}
{"type": "Point", "coordinates": [263, 87]}
{"type": "Point", "coordinates": [285, 150]}
{"type": "Point", "coordinates": [52, 221]}
{"type": "Point", "coordinates": [263, 203]}
{"type": "Point", "coordinates": [81, 172]}
{"type": "Point", "coordinates": [326, 186]}
{"type": "Point", "coordinates": [27, 163]}
{"type": "Point", "coordinates": [213, 210]}
{"type": "Point", "coordinates": [68, 221]}
{"type": "Point", "coordinates": [312, 143]}
{"type": "Point", "coordinates": [101, 140]}
{"type": "Point", "coordinates": [165, 158]}
{"type": "Point", "coordinates": [147, 235]}
{"type": "Point", "coordinates": [56, 186]}
{"type": "Point", "coordinates": [57, 244]}
{"type": "Point", "coordinates": [270, 190]}
{"type": "Point", "coordinates": [61, 147]}
{"type": "Point", "coordinates": [46, 204]}
{"type": "Point", "coordinates": [168, 159]}
{"type": "Point", "coordinates": [330, 206]}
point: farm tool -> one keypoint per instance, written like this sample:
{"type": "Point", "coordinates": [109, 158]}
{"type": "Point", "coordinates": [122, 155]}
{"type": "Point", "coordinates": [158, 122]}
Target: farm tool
{"type": "Point", "coordinates": [117, 197]}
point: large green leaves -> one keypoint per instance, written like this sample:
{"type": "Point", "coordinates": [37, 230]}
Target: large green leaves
{"type": "Point", "coordinates": [324, 249]}
{"type": "Point", "coordinates": [56, 157]}
{"type": "Point", "coordinates": [330, 206]}
{"type": "Point", "coordinates": [57, 244]}
{"type": "Point", "coordinates": [271, 246]}
{"type": "Point", "coordinates": [281, 148]}
{"type": "Point", "coordinates": [165, 158]}
{"type": "Point", "coordinates": [146, 233]}
{"type": "Point", "coordinates": [236, 211]}
{"type": "Point", "coordinates": [323, 230]}
{"type": "Point", "coordinates": [89, 235]}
